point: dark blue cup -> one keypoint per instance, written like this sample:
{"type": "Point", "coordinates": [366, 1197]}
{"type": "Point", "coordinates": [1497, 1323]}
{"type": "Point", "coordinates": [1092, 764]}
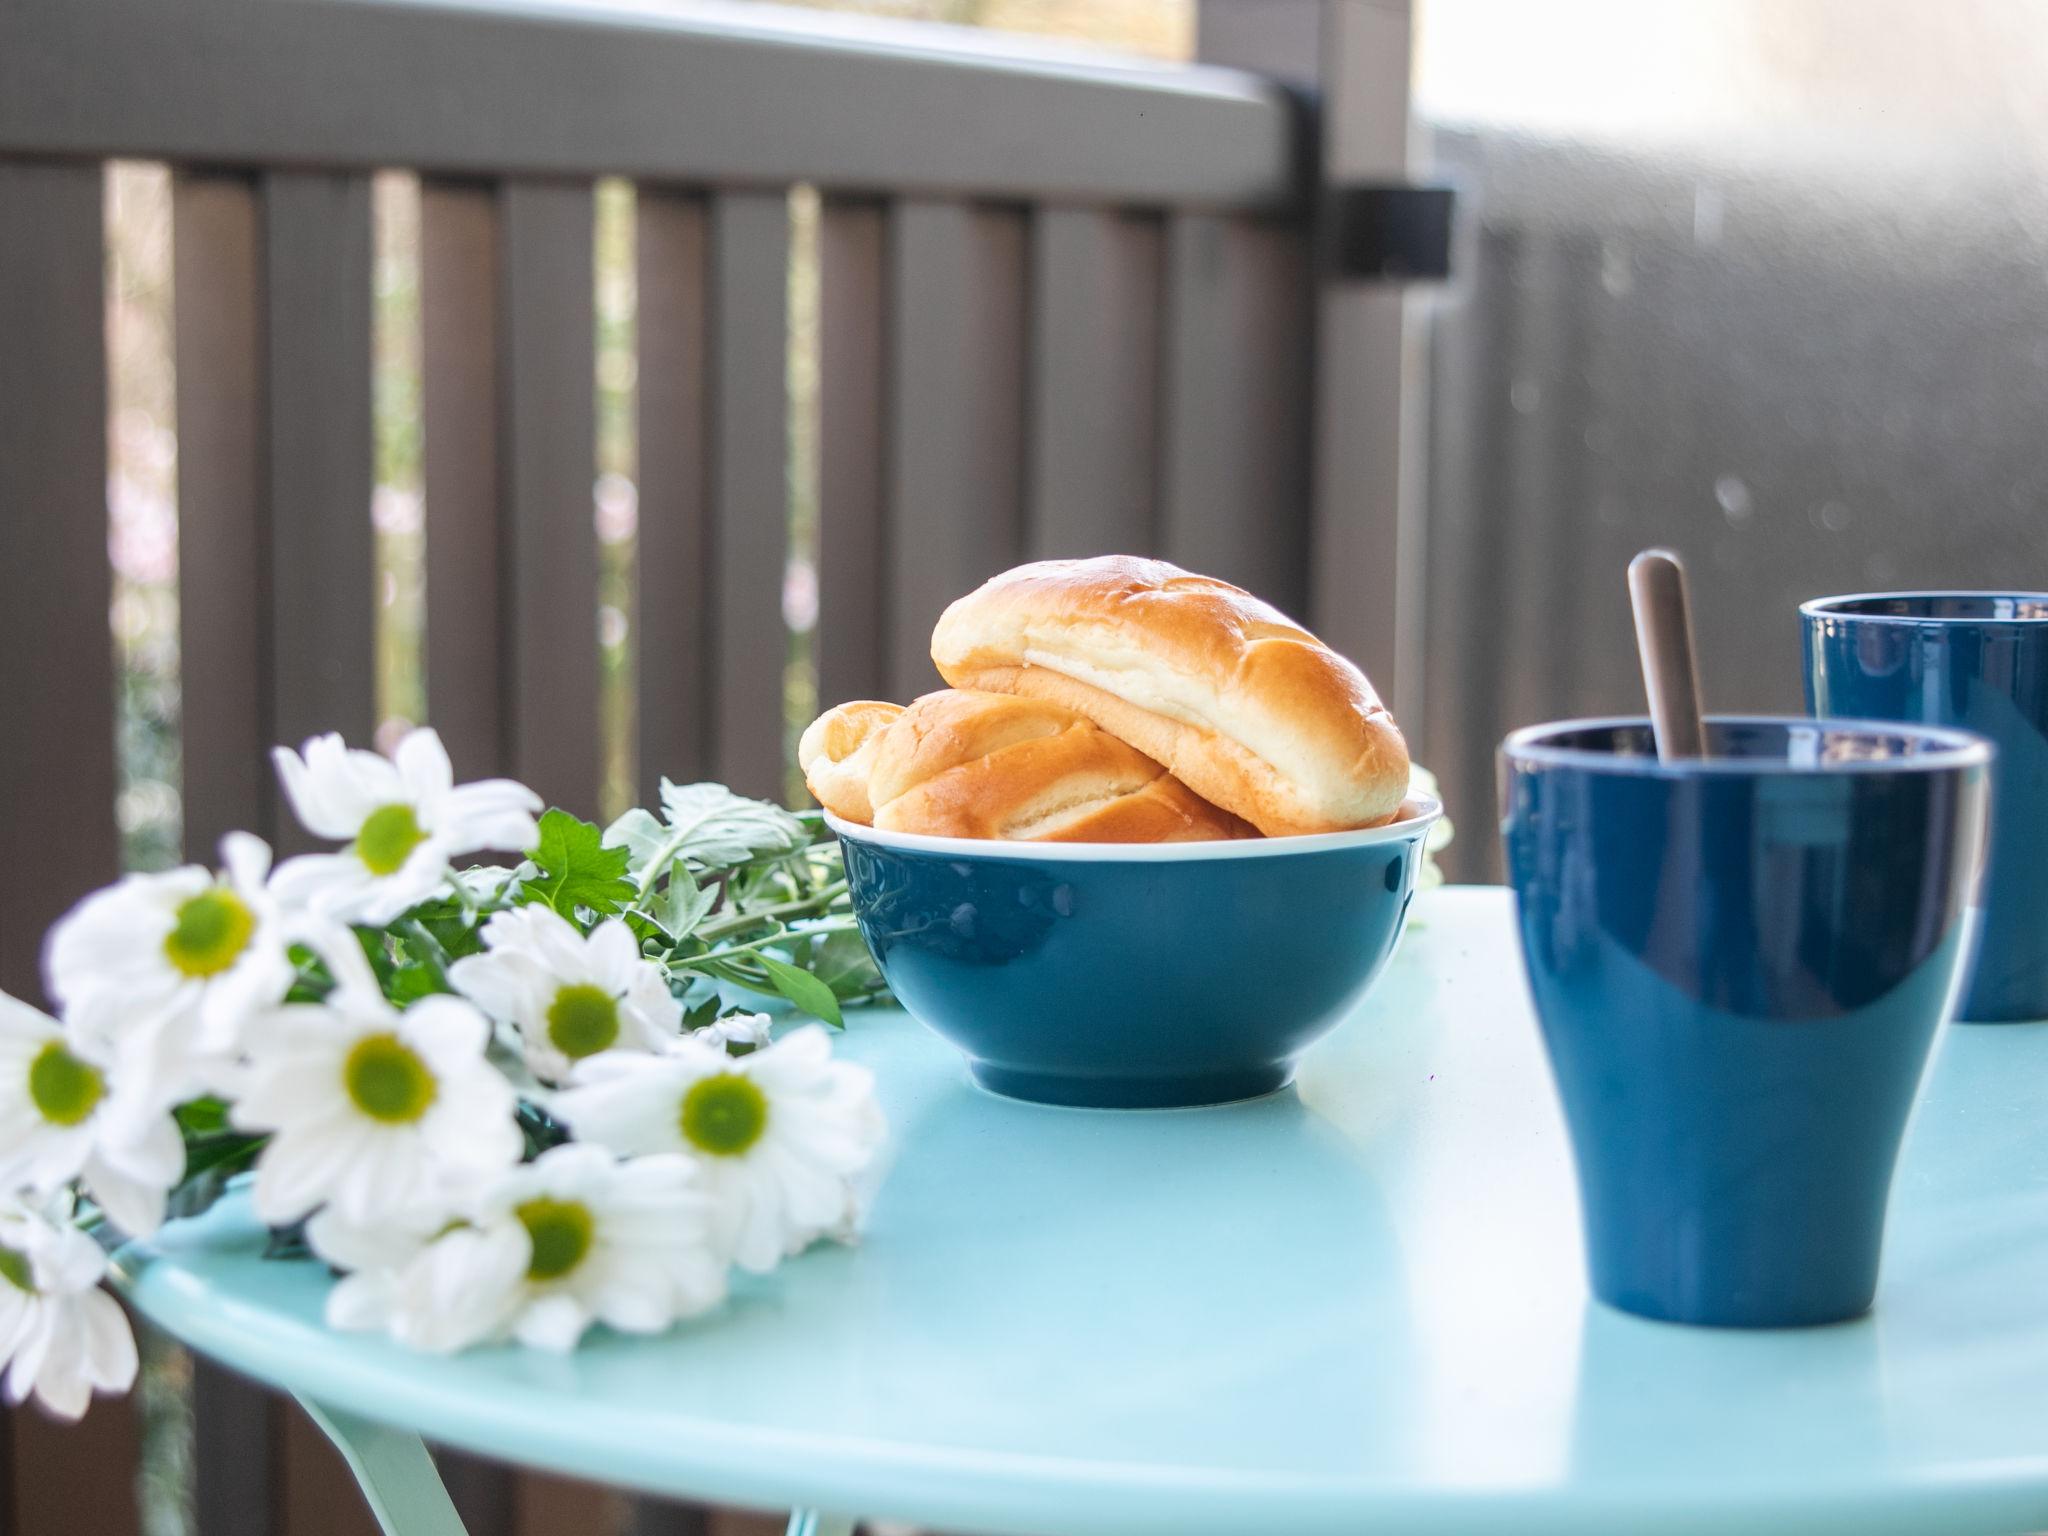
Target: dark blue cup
{"type": "Point", "coordinates": [1977, 660]}
{"type": "Point", "coordinates": [1133, 976]}
{"type": "Point", "coordinates": [1739, 964]}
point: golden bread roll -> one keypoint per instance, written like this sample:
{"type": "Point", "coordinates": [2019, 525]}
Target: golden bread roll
{"type": "Point", "coordinates": [1243, 705]}
{"type": "Point", "coordinates": [837, 750]}
{"type": "Point", "coordinates": [1028, 770]}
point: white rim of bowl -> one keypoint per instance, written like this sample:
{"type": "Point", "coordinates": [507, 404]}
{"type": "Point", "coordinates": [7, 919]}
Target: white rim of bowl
{"type": "Point", "coordinates": [1422, 812]}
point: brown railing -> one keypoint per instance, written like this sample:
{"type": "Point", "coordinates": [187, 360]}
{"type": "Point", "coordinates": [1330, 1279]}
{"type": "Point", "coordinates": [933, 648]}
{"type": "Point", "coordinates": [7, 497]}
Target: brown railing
{"type": "Point", "coordinates": [1066, 306]}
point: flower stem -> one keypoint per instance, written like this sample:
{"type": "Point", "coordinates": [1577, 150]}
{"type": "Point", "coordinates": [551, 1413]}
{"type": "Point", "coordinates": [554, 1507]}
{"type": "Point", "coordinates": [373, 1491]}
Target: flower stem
{"type": "Point", "coordinates": [426, 948]}
{"type": "Point", "coordinates": [816, 901]}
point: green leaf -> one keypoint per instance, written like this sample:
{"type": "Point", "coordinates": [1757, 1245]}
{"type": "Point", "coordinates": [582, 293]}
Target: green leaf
{"type": "Point", "coordinates": [211, 1161]}
{"type": "Point", "coordinates": [708, 825]}
{"type": "Point", "coordinates": [803, 989]}
{"type": "Point", "coordinates": [410, 983]}
{"type": "Point", "coordinates": [640, 833]}
{"type": "Point", "coordinates": [453, 926]}
{"type": "Point", "coordinates": [202, 1117]}
{"type": "Point", "coordinates": [841, 960]}
{"type": "Point", "coordinates": [684, 903]}
{"type": "Point", "coordinates": [575, 869]}
{"type": "Point", "coordinates": [703, 1013]}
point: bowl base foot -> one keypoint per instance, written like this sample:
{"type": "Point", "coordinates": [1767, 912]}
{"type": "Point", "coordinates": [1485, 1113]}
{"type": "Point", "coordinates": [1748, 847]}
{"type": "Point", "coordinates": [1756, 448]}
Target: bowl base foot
{"type": "Point", "coordinates": [1186, 1091]}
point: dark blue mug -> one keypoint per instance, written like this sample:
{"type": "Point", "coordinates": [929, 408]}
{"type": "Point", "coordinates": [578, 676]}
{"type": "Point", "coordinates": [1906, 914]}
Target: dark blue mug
{"type": "Point", "coordinates": [1739, 965]}
{"type": "Point", "coordinates": [1977, 660]}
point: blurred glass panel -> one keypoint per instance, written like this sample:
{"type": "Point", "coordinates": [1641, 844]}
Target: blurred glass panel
{"type": "Point", "coordinates": [1763, 280]}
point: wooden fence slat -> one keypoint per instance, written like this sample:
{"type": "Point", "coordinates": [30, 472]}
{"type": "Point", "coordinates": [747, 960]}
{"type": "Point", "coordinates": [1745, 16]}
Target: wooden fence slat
{"type": "Point", "coordinates": [57, 771]}
{"type": "Point", "coordinates": [1095, 286]}
{"type": "Point", "coordinates": [956, 415]}
{"type": "Point", "coordinates": [321, 1495]}
{"type": "Point", "coordinates": [218, 353]}
{"type": "Point", "coordinates": [460, 472]}
{"type": "Point", "coordinates": [57, 774]}
{"type": "Point", "coordinates": [1236, 435]}
{"type": "Point", "coordinates": [319, 469]}
{"type": "Point", "coordinates": [749, 490]}
{"type": "Point", "coordinates": [673, 681]}
{"type": "Point", "coordinates": [320, 577]}
{"type": "Point", "coordinates": [471, 577]}
{"type": "Point", "coordinates": [223, 621]}
{"type": "Point", "coordinates": [1471, 378]}
{"type": "Point", "coordinates": [852, 531]}
{"type": "Point", "coordinates": [548, 319]}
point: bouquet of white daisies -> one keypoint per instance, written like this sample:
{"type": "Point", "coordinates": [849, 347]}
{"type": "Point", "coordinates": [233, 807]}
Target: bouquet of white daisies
{"type": "Point", "coordinates": [503, 1102]}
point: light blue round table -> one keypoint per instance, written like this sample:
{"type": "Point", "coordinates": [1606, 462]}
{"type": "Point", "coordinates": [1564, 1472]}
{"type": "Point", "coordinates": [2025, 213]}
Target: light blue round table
{"type": "Point", "coordinates": [1357, 1305]}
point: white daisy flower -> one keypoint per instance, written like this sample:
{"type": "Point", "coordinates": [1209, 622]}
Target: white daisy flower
{"type": "Point", "coordinates": [370, 1105]}
{"type": "Point", "coordinates": [61, 1337]}
{"type": "Point", "coordinates": [568, 996]}
{"type": "Point", "coordinates": [163, 971]}
{"type": "Point", "coordinates": [63, 1117]}
{"type": "Point", "coordinates": [779, 1133]}
{"type": "Point", "coordinates": [737, 1034]}
{"type": "Point", "coordinates": [548, 1248]}
{"type": "Point", "coordinates": [403, 819]}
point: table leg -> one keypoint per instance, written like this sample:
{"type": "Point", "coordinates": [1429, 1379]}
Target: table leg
{"type": "Point", "coordinates": [395, 1471]}
{"type": "Point", "coordinates": [808, 1522]}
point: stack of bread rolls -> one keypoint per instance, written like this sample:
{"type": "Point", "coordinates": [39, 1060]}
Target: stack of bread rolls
{"type": "Point", "coordinates": [1116, 700]}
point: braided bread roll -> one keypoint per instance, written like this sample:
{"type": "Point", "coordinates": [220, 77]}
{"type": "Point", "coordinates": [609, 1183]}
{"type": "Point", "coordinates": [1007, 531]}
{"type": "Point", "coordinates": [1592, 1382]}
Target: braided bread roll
{"type": "Point", "coordinates": [1243, 705]}
{"type": "Point", "coordinates": [981, 765]}
{"type": "Point", "coordinates": [837, 751]}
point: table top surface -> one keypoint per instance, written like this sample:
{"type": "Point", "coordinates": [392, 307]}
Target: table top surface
{"type": "Point", "coordinates": [1358, 1300]}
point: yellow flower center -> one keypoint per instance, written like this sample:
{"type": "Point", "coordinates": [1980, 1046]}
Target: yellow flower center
{"type": "Point", "coordinates": [583, 1020]}
{"type": "Point", "coordinates": [388, 1081]}
{"type": "Point", "coordinates": [387, 838]}
{"type": "Point", "coordinates": [14, 1269]}
{"type": "Point", "coordinates": [211, 931]}
{"type": "Point", "coordinates": [64, 1090]}
{"type": "Point", "coordinates": [561, 1232]}
{"type": "Point", "coordinates": [724, 1114]}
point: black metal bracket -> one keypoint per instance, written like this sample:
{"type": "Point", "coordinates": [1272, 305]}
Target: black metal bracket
{"type": "Point", "coordinates": [1391, 233]}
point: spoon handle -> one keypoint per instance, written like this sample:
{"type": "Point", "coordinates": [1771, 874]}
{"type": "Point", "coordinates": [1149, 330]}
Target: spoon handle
{"type": "Point", "coordinates": [1656, 589]}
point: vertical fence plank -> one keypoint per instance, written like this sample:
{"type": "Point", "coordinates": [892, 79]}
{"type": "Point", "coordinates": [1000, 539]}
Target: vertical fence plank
{"type": "Point", "coordinates": [478, 573]}
{"type": "Point", "coordinates": [852, 533]}
{"type": "Point", "coordinates": [57, 771]}
{"type": "Point", "coordinates": [1095, 289]}
{"type": "Point", "coordinates": [1236, 434]}
{"type": "Point", "coordinates": [510, 395]}
{"type": "Point", "coordinates": [749, 489]}
{"type": "Point", "coordinates": [218, 354]}
{"type": "Point", "coordinates": [273, 364]}
{"type": "Point", "coordinates": [1363, 544]}
{"type": "Point", "coordinates": [548, 321]}
{"type": "Point", "coordinates": [319, 467]}
{"type": "Point", "coordinates": [223, 643]}
{"type": "Point", "coordinates": [674, 677]}
{"type": "Point", "coordinates": [1472, 385]}
{"type": "Point", "coordinates": [956, 409]}
{"type": "Point", "coordinates": [460, 471]}
{"type": "Point", "coordinates": [318, 474]}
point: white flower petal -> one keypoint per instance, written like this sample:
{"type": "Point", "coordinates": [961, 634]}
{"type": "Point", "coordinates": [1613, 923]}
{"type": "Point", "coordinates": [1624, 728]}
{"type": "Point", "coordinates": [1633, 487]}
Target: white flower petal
{"type": "Point", "coordinates": [423, 766]}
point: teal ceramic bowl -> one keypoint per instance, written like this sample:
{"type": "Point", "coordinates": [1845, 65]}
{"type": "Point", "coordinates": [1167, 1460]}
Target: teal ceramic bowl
{"type": "Point", "coordinates": [1128, 976]}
